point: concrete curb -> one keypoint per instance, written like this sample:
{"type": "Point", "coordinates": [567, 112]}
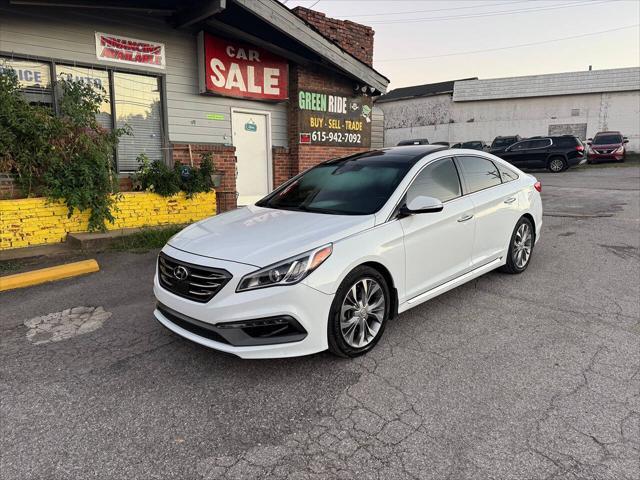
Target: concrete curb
{"type": "Point", "coordinates": [35, 277]}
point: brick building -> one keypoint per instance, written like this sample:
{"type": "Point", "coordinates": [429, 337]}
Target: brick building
{"type": "Point", "coordinates": [268, 91]}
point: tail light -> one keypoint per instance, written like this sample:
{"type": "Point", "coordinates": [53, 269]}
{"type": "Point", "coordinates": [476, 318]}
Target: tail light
{"type": "Point", "coordinates": [580, 148]}
{"type": "Point", "coordinates": [538, 186]}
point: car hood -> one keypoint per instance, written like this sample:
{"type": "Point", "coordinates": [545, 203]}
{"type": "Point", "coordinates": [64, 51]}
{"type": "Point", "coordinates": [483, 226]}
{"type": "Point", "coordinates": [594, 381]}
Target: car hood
{"type": "Point", "coordinates": [262, 236]}
{"type": "Point", "coordinates": [607, 146]}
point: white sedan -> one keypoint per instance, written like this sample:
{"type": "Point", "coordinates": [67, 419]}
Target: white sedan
{"type": "Point", "coordinates": [327, 259]}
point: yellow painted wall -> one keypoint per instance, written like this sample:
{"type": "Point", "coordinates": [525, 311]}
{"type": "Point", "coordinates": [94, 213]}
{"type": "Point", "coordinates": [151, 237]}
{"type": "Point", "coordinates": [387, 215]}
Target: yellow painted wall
{"type": "Point", "coordinates": [35, 221]}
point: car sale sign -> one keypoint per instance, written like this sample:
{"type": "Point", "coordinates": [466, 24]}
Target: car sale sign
{"type": "Point", "coordinates": [235, 69]}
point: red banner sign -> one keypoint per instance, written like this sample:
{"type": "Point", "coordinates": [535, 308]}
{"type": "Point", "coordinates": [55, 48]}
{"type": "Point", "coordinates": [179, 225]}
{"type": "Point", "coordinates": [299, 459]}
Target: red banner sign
{"type": "Point", "coordinates": [116, 48]}
{"type": "Point", "coordinates": [240, 70]}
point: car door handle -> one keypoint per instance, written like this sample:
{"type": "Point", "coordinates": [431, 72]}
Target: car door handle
{"type": "Point", "coordinates": [510, 200]}
{"type": "Point", "coordinates": [465, 218]}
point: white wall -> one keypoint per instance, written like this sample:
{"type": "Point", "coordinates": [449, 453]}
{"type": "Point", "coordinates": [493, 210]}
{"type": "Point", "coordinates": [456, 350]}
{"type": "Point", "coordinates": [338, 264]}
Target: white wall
{"type": "Point", "coordinates": [438, 118]}
{"type": "Point", "coordinates": [68, 36]}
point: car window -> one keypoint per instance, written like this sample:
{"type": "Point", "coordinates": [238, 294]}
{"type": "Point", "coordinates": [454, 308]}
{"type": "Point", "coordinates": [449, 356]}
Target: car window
{"type": "Point", "coordinates": [520, 146]}
{"type": "Point", "coordinates": [507, 174]}
{"type": "Point", "coordinates": [438, 180]}
{"type": "Point", "coordinates": [607, 139]}
{"type": "Point", "coordinates": [569, 142]}
{"type": "Point", "coordinates": [479, 173]}
{"type": "Point", "coordinates": [357, 185]}
{"type": "Point", "coordinates": [541, 143]}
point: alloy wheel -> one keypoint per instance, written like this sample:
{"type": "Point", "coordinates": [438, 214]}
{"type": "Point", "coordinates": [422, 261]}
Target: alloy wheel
{"type": "Point", "coordinates": [556, 165]}
{"type": "Point", "coordinates": [362, 312]}
{"type": "Point", "coordinates": [522, 246]}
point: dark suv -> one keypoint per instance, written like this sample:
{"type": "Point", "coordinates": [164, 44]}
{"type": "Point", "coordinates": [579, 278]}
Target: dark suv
{"type": "Point", "coordinates": [555, 153]}
{"type": "Point", "coordinates": [499, 144]}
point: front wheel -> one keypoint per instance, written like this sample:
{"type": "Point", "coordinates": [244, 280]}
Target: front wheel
{"type": "Point", "coordinates": [520, 247]}
{"type": "Point", "coordinates": [359, 312]}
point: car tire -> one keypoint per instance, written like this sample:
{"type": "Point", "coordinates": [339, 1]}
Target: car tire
{"type": "Point", "coordinates": [353, 335]}
{"type": "Point", "coordinates": [557, 164]}
{"type": "Point", "coordinates": [591, 162]}
{"type": "Point", "coordinates": [514, 263]}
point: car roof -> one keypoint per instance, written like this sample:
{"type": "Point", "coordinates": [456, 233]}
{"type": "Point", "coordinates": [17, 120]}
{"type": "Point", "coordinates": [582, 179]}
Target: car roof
{"type": "Point", "coordinates": [414, 150]}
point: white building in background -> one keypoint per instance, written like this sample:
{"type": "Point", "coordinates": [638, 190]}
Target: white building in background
{"type": "Point", "coordinates": [579, 103]}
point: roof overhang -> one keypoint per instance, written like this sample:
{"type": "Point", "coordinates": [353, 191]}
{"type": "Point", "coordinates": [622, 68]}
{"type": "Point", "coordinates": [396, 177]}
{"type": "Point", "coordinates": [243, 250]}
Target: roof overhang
{"type": "Point", "coordinates": [299, 31]}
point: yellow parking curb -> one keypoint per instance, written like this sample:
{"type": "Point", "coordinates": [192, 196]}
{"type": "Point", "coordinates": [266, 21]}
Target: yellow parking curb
{"type": "Point", "coordinates": [35, 277]}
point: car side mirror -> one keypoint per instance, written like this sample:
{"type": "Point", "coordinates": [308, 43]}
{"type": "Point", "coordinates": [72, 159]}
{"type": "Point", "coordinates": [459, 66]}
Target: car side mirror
{"type": "Point", "coordinates": [626, 140]}
{"type": "Point", "coordinates": [421, 204]}
{"type": "Point", "coordinates": [590, 139]}
{"type": "Point", "coordinates": [589, 143]}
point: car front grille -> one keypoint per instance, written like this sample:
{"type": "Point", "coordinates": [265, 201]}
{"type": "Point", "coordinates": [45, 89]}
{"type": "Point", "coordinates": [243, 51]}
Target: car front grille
{"type": "Point", "coordinates": [600, 151]}
{"type": "Point", "coordinates": [187, 280]}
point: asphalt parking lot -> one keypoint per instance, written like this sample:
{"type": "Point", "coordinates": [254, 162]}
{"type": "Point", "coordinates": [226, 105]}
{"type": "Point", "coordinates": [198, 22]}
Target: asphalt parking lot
{"type": "Point", "coordinates": [534, 376]}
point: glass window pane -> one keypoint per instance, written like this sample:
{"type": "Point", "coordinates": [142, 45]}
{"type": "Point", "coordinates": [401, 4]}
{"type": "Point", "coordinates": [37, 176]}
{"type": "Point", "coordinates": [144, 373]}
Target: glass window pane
{"type": "Point", "coordinates": [438, 180]}
{"type": "Point", "coordinates": [479, 173]}
{"type": "Point", "coordinates": [507, 174]}
{"type": "Point", "coordinates": [137, 104]}
{"type": "Point", "coordinates": [34, 79]}
{"type": "Point", "coordinates": [99, 79]}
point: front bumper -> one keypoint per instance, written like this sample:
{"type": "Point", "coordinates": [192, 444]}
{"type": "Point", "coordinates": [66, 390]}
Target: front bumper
{"type": "Point", "coordinates": [307, 306]}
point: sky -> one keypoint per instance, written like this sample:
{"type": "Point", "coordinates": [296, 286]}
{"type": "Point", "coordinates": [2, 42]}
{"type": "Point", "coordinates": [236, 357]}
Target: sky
{"type": "Point", "coordinates": [427, 41]}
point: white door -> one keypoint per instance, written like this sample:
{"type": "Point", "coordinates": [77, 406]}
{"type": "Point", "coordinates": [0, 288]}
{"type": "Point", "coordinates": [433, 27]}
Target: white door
{"type": "Point", "coordinates": [495, 207]}
{"type": "Point", "coordinates": [438, 245]}
{"type": "Point", "coordinates": [251, 139]}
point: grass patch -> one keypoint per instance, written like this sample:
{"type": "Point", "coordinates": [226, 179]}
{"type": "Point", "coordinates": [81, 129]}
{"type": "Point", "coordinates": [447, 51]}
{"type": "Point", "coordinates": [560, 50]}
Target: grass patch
{"type": "Point", "coordinates": [145, 240]}
{"type": "Point", "coordinates": [9, 266]}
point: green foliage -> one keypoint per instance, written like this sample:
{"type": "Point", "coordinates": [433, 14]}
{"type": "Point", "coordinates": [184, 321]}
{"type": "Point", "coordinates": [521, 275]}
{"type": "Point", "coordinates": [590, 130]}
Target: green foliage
{"type": "Point", "coordinates": [157, 177]}
{"type": "Point", "coordinates": [146, 239]}
{"type": "Point", "coordinates": [67, 157]}
{"type": "Point", "coordinates": [24, 135]}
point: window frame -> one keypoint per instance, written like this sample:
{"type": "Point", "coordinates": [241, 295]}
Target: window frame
{"type": "Point", "coordinates": [465, 185]}
{"type": "Point", "coordinates": [110, 69]}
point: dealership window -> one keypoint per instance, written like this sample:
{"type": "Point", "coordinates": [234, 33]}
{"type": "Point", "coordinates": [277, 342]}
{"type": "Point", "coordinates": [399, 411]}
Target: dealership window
{"type": "Point", "coordinates": [137, 104]}
{"type": "Point", "coordinates": [99, 80]}
{"type": "Point", "coordinates": [34, 79]}
{"type": "Point", "coordinates": [131, 99]}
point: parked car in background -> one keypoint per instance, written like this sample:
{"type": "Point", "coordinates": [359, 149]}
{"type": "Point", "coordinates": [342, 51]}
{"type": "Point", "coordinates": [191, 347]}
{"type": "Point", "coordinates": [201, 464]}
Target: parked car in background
{"type": "Point", "coordinates": [456, 145]}
{"type": "Point", "coordinates": [475, 145]}
{"type": "Point", "coordinates": [328, 258]}
{"type": "Point", "coordinates": [414, 141]}
{"type": "Point", "coordinates": [500, 143]}
{"type": "Point", "coordinates": [446, 144]}
{"type": "Point", "coordinates": [607, 146]}
{"type": "Point", "coordinates": [554, 153]}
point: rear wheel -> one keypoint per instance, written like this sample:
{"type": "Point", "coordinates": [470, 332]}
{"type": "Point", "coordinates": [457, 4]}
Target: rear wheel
{"type": "Point", "coordinates": [557, 164]}
{"type": "Point", "coordinates": [520, 247]}
{"type": "Point", "coordinates": [359, 312]}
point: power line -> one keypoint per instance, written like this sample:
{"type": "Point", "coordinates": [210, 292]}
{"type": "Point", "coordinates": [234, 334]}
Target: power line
{"type": "Point", "coordinates": [438, 9]}
{"type": "Point", "coordinates": [488, 14]}
{"type": "Point", "coordinates": [470, 52]}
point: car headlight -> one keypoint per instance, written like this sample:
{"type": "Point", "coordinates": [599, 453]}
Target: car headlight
{"type": "Point", "coordinates": [287, 272]}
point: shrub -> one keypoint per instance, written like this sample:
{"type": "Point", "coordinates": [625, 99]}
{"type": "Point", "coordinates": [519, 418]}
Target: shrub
{"type": "Point", "coordinates": [67, 157]}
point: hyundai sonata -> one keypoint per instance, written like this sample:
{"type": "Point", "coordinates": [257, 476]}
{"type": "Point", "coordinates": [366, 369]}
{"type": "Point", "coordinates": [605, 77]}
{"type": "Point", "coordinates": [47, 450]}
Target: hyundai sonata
{"type": "Point", "coordinates": [328, 258]}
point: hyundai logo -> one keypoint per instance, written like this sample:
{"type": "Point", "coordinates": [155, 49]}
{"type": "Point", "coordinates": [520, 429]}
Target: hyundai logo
{"type": "Point", "coordinates": [180, 272]}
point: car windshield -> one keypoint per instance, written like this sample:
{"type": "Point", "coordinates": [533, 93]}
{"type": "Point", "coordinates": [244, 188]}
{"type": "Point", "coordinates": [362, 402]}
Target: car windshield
{"type": "Point", "coordinates": [502, 142]}
{"type": "Point", "coordinates": [471, 144]}
{"type": "Point", "coordinates": [348, 186]}
{"type": "Point", "coordinates": [607, 139]}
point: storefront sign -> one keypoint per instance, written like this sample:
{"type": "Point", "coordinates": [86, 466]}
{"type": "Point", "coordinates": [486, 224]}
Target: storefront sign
{"type": "Point", "coordinates": [116, 48]}
{"type": "Point", "coordinates": [328, 119]}
{"type": "Point", "coordinates": [236, 69]}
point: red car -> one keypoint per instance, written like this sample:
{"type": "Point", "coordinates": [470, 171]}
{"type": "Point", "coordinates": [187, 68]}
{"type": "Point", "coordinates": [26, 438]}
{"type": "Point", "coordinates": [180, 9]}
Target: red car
{"type": "Point", "coordinates": [606, 146]}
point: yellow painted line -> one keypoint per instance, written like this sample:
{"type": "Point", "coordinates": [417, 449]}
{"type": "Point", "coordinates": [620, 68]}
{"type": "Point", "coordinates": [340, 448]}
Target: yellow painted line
{"type": "Point", "coordinates": [35, 277]}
